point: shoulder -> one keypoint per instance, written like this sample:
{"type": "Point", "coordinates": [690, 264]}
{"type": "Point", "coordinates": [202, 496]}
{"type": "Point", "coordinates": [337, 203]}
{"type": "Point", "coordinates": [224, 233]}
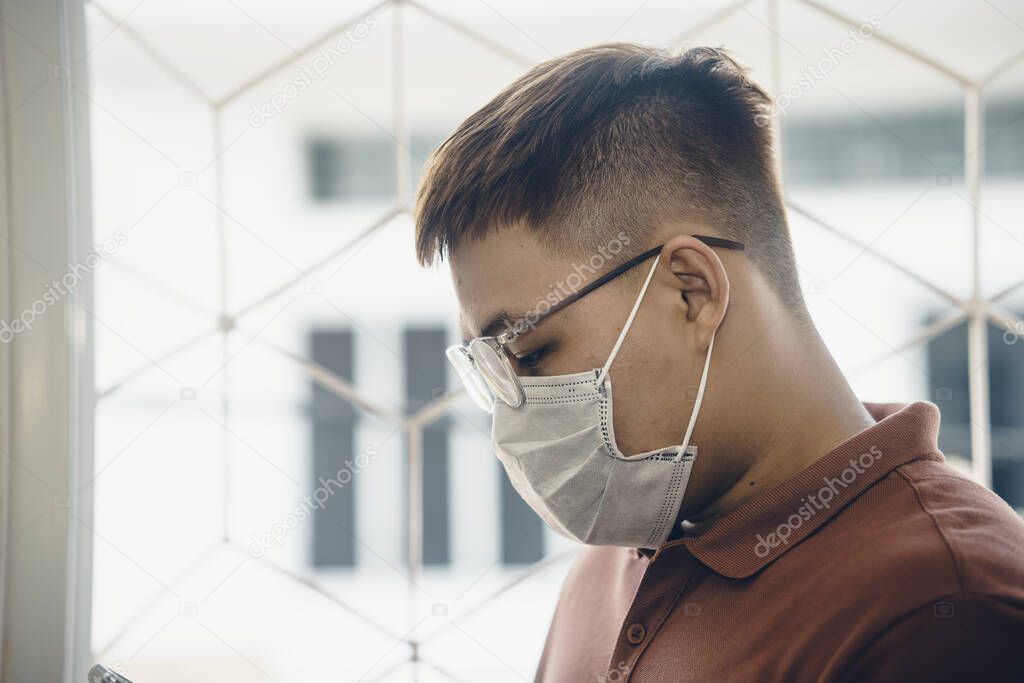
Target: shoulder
{"type": "Point", "coordinates": [963, 636]}
{"type": "Point", "coordinates": [933, 568]}
{"type": "Point", "coordinates": [920, 534]}
{"type": "Point", "coordinates": [967, 527]}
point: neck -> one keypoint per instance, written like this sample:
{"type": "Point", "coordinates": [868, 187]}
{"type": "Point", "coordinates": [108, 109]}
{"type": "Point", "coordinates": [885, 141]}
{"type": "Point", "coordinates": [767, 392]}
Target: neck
{"type": "Point", "coordinates": [801, 407]}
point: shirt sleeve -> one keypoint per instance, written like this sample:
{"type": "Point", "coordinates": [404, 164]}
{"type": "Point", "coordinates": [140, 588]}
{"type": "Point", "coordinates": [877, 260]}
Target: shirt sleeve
{"type": "Point", "coordinates": [964, 637]}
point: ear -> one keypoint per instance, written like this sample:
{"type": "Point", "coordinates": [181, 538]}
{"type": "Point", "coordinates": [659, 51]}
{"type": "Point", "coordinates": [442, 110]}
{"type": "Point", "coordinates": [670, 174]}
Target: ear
{"type": "Point", "coordinates": [702, 282]}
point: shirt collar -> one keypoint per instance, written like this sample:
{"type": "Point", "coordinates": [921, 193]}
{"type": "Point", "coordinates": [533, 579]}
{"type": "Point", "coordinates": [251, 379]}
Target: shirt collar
{"type": "Point", "coordinates": [765, 528]}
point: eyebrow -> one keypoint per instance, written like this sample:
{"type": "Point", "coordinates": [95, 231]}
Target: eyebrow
{"type": "Point", "coordinates": [498, 323]}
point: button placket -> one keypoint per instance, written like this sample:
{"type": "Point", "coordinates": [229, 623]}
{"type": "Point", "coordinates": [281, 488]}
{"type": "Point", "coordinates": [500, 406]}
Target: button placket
{"type": "Point", "coordinates": [663, 584]}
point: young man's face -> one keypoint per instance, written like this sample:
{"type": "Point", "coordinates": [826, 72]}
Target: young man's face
{"type": "Point", "coordinates": [511, 273]}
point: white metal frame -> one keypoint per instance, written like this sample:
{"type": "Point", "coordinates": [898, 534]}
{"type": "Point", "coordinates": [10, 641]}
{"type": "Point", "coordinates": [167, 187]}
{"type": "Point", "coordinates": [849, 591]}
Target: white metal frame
{"type": "Point", "coordinates": [48, 382]}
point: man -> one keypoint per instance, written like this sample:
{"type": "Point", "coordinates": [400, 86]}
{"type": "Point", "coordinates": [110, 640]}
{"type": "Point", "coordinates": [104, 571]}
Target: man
{"type": "Point", "coordinates": [613, 218]}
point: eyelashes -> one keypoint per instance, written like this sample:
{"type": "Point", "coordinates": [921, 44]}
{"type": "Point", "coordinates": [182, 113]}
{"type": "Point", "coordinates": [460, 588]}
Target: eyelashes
{"type": "Point", "coordinates": [532, 360]}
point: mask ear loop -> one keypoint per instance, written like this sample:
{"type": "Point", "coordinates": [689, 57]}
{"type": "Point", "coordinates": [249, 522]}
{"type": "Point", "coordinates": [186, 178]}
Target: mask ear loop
{"type": "Point", "coordinates": [703, 374]}
{"type": "Point", "coordinates": [696, 404]}
{"type": "Point", "coordinates": [629, 323]}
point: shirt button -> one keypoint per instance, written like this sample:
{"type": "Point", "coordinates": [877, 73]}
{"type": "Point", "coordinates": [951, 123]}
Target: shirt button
{"type": "Point", "coordinates": [635, 633]}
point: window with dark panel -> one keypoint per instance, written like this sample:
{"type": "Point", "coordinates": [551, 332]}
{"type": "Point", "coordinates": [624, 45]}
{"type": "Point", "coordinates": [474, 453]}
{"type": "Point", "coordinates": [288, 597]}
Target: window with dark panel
{"type": "Point", "coordinates": [425, 379]}
{"type": "Point", "coordinates": [360, 168]}
{"type": "Point", "coordinates": [948, 377]}
{"type": "Point", "coordinates": [334, 422]}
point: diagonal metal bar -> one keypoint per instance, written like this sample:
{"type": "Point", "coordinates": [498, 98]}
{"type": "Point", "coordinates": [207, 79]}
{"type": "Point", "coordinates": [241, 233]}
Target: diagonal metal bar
{"type": "Point", "coordinates": [435, 409]}
{"type": "Point", "coordinates": [1002, 294]}
{"type": "Point", "coordinates": [1013, 323]}
{"type": "Point", "coordinates": [152, 361]}
{"type": "Point", "coordinates": [291, 282]}
{"type": "Point", "coordinates": [121, 122]}
{"type": "Point", "coordinates": [710, 22]}
{"type": "Point", "coordinates": [155, 55]}
{"type": "Point", "coordinates": [144, 611]}
{"type": "Point", "coordinates": [167, 355]}
{"type": "Point", "coordinates": [488, 650]}
{"type": "Point", "coordinates": [329, 380]}
{"type": "Point", "coordinates": [164, 288]}
{"type": "Point", "coordinates": [117, 24]}
{"type": "Point", "coordinates": [532, 570]}
{"type": "Point", "coordinates": [906, 50]}
{"type": "Point", "coordinates": [311, 584]}
{"type": "Point", "coordinates": [438, 669]}
{"type": "Point", "coordinates": [475, 36]}
{"type": "Point", "coordinates": [876, 335]}
{"type": "Point", "coordinates": [948, 296]}
{"type": "Point", "coordinates": [298, 54]}
{"type": "Point", "coordinates": [1002, 68]}
{"type": "Point", "coordinates": [972, 369]}
{"type": "Point", "coordinates": [386, 673]}
{"type": "Point", "coordinates": [936, 328]}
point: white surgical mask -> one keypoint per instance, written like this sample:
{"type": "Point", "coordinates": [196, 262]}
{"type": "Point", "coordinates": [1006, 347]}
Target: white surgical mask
{"type": "Point", "coordinates": [559, 451]}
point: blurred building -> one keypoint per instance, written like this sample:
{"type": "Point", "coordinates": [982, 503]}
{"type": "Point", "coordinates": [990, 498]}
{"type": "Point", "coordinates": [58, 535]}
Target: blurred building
{"type": "Point", "coordinates": [264, 187]}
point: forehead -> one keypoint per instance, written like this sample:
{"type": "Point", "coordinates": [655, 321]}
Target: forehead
{"type": "Point", "coordinates": [508, 271]}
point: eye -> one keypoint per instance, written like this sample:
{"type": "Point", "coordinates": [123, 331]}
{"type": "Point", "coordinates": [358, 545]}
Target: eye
{"type": "Point", "coordinates": [531, 361]}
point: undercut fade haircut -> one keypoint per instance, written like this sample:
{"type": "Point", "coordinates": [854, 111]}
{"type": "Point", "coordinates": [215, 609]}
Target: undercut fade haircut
{"type": "Point", "coordinates": [617, 137]}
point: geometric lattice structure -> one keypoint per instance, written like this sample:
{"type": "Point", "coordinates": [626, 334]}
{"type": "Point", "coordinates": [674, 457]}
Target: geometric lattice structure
{"type": "Point", "coordinates": [233, 319]}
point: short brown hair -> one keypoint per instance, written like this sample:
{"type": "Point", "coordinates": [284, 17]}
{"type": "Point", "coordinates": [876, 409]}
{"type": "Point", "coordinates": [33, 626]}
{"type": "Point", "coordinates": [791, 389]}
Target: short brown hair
{"type": "Point", "coordinates": [609, 138]}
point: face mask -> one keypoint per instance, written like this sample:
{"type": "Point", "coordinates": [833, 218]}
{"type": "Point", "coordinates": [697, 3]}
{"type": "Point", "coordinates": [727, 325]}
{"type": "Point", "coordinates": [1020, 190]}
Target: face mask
{"type": "Point", "coordinates": [559, 451]}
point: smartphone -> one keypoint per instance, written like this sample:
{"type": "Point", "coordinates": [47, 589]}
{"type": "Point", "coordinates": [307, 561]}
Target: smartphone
{"type": "Point", "coordinates": [101, 674]}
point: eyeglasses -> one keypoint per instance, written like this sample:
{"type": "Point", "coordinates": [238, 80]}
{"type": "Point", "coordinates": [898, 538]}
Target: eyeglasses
{"type": "Point", "coordinates": [484, 364]}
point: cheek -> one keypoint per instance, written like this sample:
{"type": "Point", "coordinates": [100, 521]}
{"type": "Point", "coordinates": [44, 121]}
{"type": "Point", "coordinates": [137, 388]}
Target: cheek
{"type": "Point", "coordinates": [649, 401]}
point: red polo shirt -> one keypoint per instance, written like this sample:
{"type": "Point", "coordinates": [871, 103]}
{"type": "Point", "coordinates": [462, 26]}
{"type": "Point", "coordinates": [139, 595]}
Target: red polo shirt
{"type": "Point", "coordinates": [878, 562]}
